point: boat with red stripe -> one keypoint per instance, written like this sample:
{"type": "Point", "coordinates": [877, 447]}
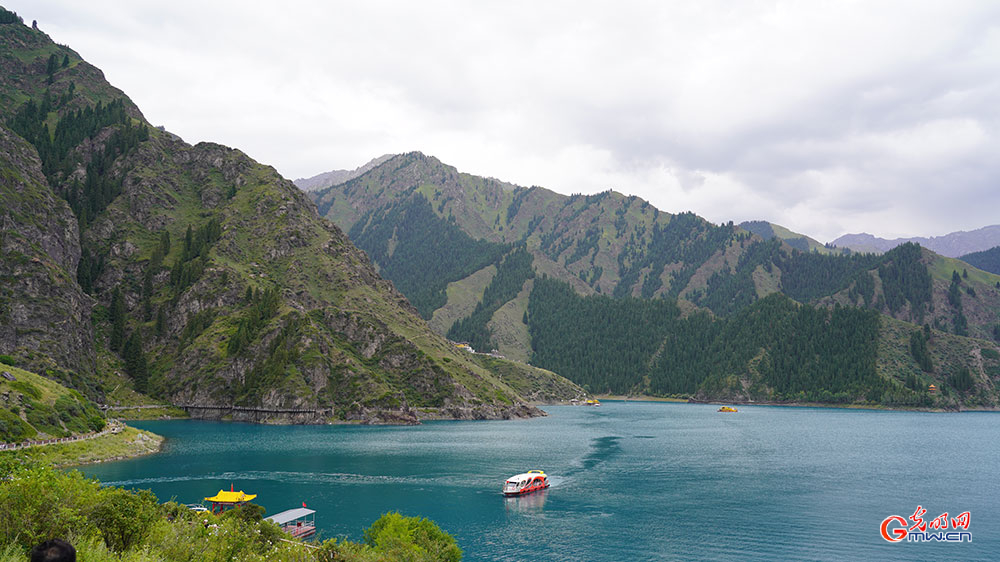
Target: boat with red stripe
{"type": "Point", "coordinates": [525, 483]}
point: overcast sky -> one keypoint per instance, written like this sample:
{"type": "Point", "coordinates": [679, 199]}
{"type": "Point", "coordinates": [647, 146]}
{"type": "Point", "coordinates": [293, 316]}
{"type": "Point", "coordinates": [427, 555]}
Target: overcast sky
{"type": "Point", "coordinates": [824, 117]}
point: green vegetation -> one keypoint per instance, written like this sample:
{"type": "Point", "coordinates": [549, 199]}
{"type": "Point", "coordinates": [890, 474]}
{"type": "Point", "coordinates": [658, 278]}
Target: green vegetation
{"type": "Point", "coordinates": [111, 524]}
{"type": "Point", "coordinates": [728, 292]}
{"type": "Point", "coordinates": [511, 274]}
{"type": "Point", "coordinates": [420, 252]}
{"type": "Point", "coordinates": [601, 343]}
{"type": "Point", "coordinates": [7, 17]}
{"type": "Point", "coordinates": [191, 263]}
{"type": "Point", "coordinates": [687, 239]}
{"type": "Point", "coordinates": [918, 348]}
{"type": "Point", "coordinates": [35, 407]}
{"type": "Point", "coordinates": [127, 443]}
{"type": "Point", "coordinates": [987, 260]}
{"type": "Point", "coordinates": [262, 306]}
{"type": "Point", "coordinates": [100, 187]}
{"type": "Point", "coordinates": [774, 349]}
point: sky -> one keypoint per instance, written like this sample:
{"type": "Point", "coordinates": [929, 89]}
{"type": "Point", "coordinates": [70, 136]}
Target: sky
{"type": "Point", "coordinates": [824, 117]}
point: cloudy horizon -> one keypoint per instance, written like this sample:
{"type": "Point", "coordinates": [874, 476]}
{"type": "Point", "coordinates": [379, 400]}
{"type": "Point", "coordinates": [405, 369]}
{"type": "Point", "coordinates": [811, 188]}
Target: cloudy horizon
{"type": "Point", "coordinates": [825, 118]}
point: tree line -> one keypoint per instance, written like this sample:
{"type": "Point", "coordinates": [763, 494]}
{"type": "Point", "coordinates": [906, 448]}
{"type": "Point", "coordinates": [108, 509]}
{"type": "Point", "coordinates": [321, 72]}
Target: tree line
{"type": "Point", "coordinates": [784, 350]}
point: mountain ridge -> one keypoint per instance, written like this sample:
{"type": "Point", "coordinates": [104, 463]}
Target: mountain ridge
{"type": "Point", "coordinates": [952, 245]}
{"type": "Point", "coordinates": [415, 209]}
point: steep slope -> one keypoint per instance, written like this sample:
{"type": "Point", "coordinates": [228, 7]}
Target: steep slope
{"type": "Point", "coordinates": [435, 232]}
{"type": "Point", "coordinates": [44, 314]}
{"type": "Point", "coordinates": [950, 245]}
{"type": "Point", "coordinates": [212, 281]}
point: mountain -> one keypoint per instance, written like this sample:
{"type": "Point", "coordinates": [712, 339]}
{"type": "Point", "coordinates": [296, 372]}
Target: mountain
{"type": "Point", "coordinates": [801, 242]}
{"type": "Point", "coordinates": [950, 245]}
{"type": "Point", "coordinates": [987, 260]}
{"type": "Point", "coordinates": [334, 177]}
{"type": "Point", "coordinates": [133, 261]}
{"type": "Point", "coordinates": [624, 298]}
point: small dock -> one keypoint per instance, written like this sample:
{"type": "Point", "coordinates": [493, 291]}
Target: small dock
{"type": "Point", "coordinates": [300, 522]}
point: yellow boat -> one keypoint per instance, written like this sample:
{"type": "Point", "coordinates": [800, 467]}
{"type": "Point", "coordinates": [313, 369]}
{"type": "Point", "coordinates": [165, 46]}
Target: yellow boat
{"type": "Point", "coordinates": [728, 409]}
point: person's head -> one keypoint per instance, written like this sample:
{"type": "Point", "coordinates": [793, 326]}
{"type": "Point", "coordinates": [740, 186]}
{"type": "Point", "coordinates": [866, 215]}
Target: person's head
{"type": "Point", "coordinates": [55, 550]}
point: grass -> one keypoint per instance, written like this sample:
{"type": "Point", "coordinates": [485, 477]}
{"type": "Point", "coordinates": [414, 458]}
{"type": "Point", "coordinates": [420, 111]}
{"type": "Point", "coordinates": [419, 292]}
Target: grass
{"type": "Point", "coordinates": [942, 267]}
{"type": "Point", "coordinates": [509, 331]}
{"type": "Point", "coordinates": [130, 442]}
{"type": "Point", "coordinates": [48, 390]}
{"type": "Point", "coordinates": [463, 295]}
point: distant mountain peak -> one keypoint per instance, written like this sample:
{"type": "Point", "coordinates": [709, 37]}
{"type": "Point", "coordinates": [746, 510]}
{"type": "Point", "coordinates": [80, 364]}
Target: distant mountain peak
{"type": "Point", "coordinates": [952, 245]}
{"type": "Point", "coordinates": [336, 177]}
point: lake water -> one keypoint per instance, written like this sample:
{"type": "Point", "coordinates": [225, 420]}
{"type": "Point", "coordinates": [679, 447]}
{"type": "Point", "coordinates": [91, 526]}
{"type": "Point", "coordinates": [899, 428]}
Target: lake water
{"type": "Point", "coordinates": [630, 480]}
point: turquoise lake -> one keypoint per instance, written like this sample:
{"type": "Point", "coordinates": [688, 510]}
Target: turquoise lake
{"type": "Point", "coordinates": [630, 480]}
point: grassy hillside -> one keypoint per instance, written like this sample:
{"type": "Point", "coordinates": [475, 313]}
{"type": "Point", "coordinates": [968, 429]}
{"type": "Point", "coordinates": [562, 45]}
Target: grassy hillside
{"type": "Point", "coordinates": [33, 407]}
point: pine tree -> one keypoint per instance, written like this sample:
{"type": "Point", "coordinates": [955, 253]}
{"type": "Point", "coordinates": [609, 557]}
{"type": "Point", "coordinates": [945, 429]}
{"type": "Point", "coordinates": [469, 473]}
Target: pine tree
{"type": "Point", "coordinates": [135, 361]}
{"type": "Point", "coordinates": [51, 67]}
{"type": "Point", "coordinates": [165, 242]}
{"type": "Point", "coordinates": [161, 322]}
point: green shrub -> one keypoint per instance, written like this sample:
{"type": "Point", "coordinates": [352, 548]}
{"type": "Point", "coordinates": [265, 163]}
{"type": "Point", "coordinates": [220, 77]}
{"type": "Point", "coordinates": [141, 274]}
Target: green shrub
{"type": "Point", "coordinates": [117, 525]}
{"type": "Point", "coordinates": [27, 389]}
{"type": "Point", "coordinates": [247, 513]}
{"type": "Point", "coordinates": [125, 518]}
{"type": "Point", "coordinates": [38, 503]}
{"type": "Point", "coordinates": [45, 419]}
{"type": "Point", "coordinates": [13, 429]}
{"type": "Point", "coordinates": [411, 538]}
{"type": "Point", "coordinates": [8, 360]}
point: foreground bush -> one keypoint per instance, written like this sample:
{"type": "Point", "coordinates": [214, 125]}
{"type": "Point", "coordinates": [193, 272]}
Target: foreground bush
{"type": "Point", "coordinates": [109, 524]}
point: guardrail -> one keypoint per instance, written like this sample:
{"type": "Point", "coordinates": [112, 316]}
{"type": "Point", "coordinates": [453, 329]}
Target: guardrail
{"type": "Point", "coordinates": [111, 428]}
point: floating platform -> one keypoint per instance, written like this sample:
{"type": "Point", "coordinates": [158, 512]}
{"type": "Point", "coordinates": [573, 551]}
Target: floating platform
{"type": "Point", "coordinates": [300, 522]}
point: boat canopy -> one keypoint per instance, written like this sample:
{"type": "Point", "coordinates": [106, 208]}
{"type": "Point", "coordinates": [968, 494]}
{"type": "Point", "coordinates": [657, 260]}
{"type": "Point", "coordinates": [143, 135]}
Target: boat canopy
{"type": "Point", "coordinates": [525, 476]}
{"type": "Point", "coordinates": [231, 497]}
{"type": "Point", "coordinates": [289, 515]}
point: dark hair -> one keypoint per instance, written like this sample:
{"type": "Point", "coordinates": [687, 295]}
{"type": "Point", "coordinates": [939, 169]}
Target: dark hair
{"type": "Point", "coordinates": [55, 550]}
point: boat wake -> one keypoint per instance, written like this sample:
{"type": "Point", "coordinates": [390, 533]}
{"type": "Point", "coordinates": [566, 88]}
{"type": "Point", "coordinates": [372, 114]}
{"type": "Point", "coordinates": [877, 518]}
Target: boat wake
{"type": "Point", "coordinates": [601, 449]}
{"type": "Point", "coordinates": [291, 477]}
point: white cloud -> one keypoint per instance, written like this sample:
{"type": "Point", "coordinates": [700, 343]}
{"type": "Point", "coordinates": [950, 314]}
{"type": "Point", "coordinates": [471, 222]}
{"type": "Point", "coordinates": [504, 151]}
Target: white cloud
{"type": "Point", "coordinates": [824, 117]}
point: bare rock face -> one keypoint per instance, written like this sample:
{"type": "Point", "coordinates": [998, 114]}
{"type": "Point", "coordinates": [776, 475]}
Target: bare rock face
{"type": "Point", "coordinates": [44, 314]}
